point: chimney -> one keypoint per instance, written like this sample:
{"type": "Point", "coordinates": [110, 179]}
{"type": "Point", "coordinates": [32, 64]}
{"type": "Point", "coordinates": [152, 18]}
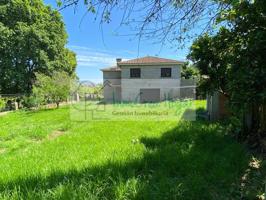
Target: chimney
{"type": "Point", "coordinates": [118, 60]}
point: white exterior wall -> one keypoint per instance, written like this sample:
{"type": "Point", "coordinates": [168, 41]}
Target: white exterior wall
{"type": "Point", "coordinates": [150, 79]}
{"type": "Point", "coordinates": [130, 88]}
{"type": "Point", "coordinates": [151, 71]}
{"type": "Point", "coordinates": [112, 88]}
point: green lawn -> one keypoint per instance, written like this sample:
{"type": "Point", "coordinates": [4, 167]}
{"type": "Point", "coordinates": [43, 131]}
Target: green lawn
{"type": "Point", "coordinates": [46, 155]}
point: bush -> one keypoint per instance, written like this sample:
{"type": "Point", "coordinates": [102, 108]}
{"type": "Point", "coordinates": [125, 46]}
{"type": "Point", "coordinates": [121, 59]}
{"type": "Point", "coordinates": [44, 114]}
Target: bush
{"type": "Point", "coordinates": [234, 126]}
{"type": "Point", "coordinates": [53, 88]}
{"type": "Point", "coordinates": [2, 104]}
{"type": "Point", "coordinates": [30, 102]}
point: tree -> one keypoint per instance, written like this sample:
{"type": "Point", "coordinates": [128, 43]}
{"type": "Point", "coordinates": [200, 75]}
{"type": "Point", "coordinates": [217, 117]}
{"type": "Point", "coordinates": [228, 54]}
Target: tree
{"type": "Point", "coordinates": [32, 40]}
{"type": "Point", "coordinates": [234, 62]}
{"type": "Point", "coordinates": [210, 56]}
{"type": "Point", "coordinates": [189, 71]}
{"type": "Point", "coordinates": [52, 89]}
{"type": "Point", "coordinates": [171, 21]}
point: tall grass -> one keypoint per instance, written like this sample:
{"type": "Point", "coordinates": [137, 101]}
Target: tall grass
{"type": "Point", "coordinates": [116, 160]}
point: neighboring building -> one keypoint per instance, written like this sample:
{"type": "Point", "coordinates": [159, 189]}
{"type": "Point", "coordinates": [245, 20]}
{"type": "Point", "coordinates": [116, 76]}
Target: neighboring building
{"type": "Point", "coordinates": [147, 79]}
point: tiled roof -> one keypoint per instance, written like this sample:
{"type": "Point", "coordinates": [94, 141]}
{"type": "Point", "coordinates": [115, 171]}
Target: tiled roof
{"type": "Point", "coordinates": [114, 68]}
{"type": "Point", "coordinates": [143, 61]}
{"type": "Point", "coordinates": [150, 60]}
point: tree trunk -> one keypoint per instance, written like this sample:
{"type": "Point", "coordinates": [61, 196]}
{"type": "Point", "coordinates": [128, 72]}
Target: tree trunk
{"type": "Point", "coordinates": [57, 104]}
{"type": "Point", "coordinates": [262, 127]}
{"type": "Point", "coordinates": [262, 120]}
{"type": "Point", "coordinates": [255, 118]}
{"type": "Point", "coordinates": [247, 122]}
{"type": "Point", "coordinates": [257, 133]}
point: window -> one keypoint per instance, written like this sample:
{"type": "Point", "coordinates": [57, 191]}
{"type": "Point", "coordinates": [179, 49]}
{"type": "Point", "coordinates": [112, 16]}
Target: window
{"type": "Point", "coordinates": [135, 73]}
{"type": "Point", "coordinates": [166, 72]}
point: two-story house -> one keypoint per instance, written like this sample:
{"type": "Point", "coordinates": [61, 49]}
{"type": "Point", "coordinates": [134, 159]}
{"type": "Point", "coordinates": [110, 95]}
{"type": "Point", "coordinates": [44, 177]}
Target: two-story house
{"type": "Point", "coordinates": [147, 79]}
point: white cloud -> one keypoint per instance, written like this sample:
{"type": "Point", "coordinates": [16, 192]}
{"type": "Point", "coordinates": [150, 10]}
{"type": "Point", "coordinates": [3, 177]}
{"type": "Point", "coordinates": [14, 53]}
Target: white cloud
{"type": "Point", "coordinates": [95, 60]}
{"type": "Point", "coordinates": [89, 57]}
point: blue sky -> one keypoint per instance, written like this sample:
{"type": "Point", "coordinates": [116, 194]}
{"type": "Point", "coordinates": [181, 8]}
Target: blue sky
{"type": "Point", "coordinates": [96, 48]}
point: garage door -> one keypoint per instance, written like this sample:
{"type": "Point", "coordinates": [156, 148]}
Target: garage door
{"type": "Point", "coordinates": [149, 95]}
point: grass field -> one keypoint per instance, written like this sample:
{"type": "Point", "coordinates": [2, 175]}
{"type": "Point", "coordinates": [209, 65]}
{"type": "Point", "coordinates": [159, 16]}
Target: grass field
{"type": "Point", "coordinates": [46, 155]}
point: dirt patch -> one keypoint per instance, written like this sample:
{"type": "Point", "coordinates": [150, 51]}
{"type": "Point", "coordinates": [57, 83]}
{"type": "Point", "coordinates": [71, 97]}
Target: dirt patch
{"type": "Point", "coordinates": [55, 135]}
{"type": "Point", "coordinates": [36, 140]}
{"type": "Point", "coordinates": [4, 113]}
{"type": "Point", "coordinates": [2, 150]}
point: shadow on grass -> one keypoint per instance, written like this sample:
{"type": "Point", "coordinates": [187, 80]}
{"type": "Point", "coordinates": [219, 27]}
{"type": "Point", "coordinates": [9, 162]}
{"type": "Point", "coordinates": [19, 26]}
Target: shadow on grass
{"type": "Point", "coordinates": [192, 161]}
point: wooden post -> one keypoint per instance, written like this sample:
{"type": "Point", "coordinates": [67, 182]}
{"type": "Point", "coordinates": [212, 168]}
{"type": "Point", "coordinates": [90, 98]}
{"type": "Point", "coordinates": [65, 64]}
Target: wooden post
{"type": "Point", "coordinates": [77, 97]}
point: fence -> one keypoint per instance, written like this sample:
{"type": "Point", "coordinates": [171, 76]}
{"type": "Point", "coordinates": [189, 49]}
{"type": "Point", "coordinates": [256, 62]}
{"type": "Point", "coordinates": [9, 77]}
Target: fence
{"type": "Point", "coordinates": [10, 102]}
{"type": "Point", "coordinates": [188, 89]}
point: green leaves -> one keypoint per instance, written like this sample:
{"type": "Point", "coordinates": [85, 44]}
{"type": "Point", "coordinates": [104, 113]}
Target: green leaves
{"type": "Point", "coordinates": [54, 88]}
{"type": "Point", "coordinates": [91, 8]}
{"type": "Point", "coordinates": [189, 71]}
{"type": "Point", "coordinates": [32, 39]}
{"type": "Point", "coordinates": [234, 59]}
{"type": "Point", "coordinates": [59, 3]}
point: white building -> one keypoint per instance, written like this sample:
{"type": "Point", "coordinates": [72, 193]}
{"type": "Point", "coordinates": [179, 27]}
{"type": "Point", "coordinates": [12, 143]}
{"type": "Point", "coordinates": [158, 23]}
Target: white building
{"type": "Point", "coordinates": [147, 79]}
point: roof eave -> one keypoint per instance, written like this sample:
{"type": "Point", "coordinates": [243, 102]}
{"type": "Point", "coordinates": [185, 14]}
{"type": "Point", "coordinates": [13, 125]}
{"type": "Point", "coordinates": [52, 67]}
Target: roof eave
{"type": "Point", "coordinates": [110, 70]}
{"type": "Point", "coordinates": [140, 64]}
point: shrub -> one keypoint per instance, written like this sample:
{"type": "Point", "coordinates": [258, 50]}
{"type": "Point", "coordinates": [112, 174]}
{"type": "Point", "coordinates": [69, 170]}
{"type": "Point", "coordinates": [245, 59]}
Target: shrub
{"type": "Point", "coordinates": [234, 126]}
{"type": "Point", "coordinates": [30, 102]}
{"type": "Point", "coordinates": [53, 88]}
{"type": "Point", "coordinates": [2, 104]}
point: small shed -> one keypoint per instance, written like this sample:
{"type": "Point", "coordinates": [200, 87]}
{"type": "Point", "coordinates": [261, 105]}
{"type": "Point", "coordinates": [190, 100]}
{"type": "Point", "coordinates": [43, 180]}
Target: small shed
{"type": "Point", "coordinates": [216, 106]}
